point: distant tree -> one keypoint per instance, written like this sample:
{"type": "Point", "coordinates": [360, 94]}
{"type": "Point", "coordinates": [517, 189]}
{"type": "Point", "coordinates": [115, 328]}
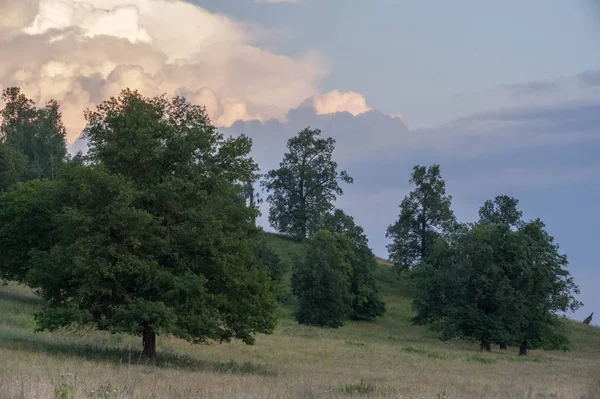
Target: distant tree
{"type": "Point", "coordinates": [304, 187]}
{"type": "Point", "coordinates": [424, 214]}
{"type": "Point", "coordinates": [463, 294]}
{"type": "Point", "coordinates": [365, 303]}
{"type": "Point", "coordinates": [502, 210]}
{"type": "Point", "coordinates": [38, 134]}
{"type": "Point", "coordinates": [320, 280]}
{"type": "Point", "coordinates": [543, 287]}
{"type": "Point", "coordinates": [149, 234]}
{"type": "Point", "coordinates": [253, 198]}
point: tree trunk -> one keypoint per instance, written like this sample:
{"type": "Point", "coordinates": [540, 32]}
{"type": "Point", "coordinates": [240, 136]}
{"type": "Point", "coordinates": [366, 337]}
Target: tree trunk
{"type": "Point", "coordinates": [303, 218]}
{"type": "Point", "coordinates": [252, 205]}
{"type": "Point", "coordinates": [149, 344]}
{"type": "Point", "coordinates": [485, 346]}
{"type": "Point", "coordinates": [523, 349]}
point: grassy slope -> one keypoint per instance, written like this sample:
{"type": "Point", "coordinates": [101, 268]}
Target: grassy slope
{"type": "Point", "coordinates": [387, 358]}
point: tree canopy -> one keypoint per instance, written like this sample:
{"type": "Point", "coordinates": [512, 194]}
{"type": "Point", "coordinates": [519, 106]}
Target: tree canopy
{"type": "Point", "coordinates": [32, 140]}
{"type": "Point", "coordinates": [303, 188]}
{"type": "Point", "coordinates": [365, 303]}
{"type": "Point", "coordinates": [424, 214]}
{"type": "Point", "coordinates": [501, 210]}
{"type": "Point", "coordinates": [149, 234]}
{"type": "Point", "coordinates": [496, 286]}
{"type": "Point", "coordinates": [320, 280]}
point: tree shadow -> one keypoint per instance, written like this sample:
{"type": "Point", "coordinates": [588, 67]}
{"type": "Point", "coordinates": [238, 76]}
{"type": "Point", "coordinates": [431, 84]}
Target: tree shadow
{"type": "Point", "coordinates": [120, 355]}
{"type": "Point", "coordinates": [20, 297]}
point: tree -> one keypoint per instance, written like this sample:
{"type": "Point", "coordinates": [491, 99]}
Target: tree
{"type": "Point", "coordinates": [463, 293]}
{"type": "Point", "coordinates": [320, 280]}
{"type": "Point", "coordinates": [502, 210]}
{"type": "Point", "coordinates": [424, 214]}
{"type": "Point", "coordinates": [496, 286]}
{"type": "Point", "coordinates": [149, 234]}
{"type": "Point", "coordinates": [543, 287]}
{"type": "Point", "coordinates": [38, 134]}
{"type": "Point", "coordinates": [365, 303]}
{"type": "Point", "coordinates": [302, 190]}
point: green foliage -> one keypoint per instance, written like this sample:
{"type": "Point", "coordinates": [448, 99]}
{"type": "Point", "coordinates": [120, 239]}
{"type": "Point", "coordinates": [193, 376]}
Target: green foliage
{"type": "Point", "coordinates": [150, 233]}
{"type": "Point", "coordinates": [320, 280]}
{"type": "Point", "coordinates": [267, 259]}
{"type": "Point", "coordinates": [26, 225]}
{"type": "Point", "coordinates": [253, 199]}
{"type": "Point", "coordinates": [495, 285]}
{"type": "Point", "coordinates": [302, 190]}
{"type": "Point", "coordinates": [12, 167]}
{"type": "Point", "coordinates": [37, 134]}
{"type": "Point", "coordinates": [363, 289]}
{"type": "Point", "coordinates": [503, 210]}
{"type": "Point", "coordinates": [464, 291]}
{"type": "Point", "coordinates": [360, 388]}
{"type": "Point", "coordinates": [424, 214]}
{"type": "Point", "coordinates": [543, 287]}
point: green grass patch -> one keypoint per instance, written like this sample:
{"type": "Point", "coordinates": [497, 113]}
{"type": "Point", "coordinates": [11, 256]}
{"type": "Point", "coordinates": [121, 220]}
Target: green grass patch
{"type": "Point", "coordinates": [360, 388]}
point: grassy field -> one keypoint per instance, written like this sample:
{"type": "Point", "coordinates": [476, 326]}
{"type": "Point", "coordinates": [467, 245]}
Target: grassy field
{"type": "Point", "coordinates": [389, 358]}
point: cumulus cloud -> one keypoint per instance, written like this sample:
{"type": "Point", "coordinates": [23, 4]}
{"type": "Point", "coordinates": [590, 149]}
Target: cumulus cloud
{"type": "Point", "coordinates": [375, 136]}
{"type": "Point", "coordinates": [80, 52]}
{"type": "Point", "coordinates": [336, 101]}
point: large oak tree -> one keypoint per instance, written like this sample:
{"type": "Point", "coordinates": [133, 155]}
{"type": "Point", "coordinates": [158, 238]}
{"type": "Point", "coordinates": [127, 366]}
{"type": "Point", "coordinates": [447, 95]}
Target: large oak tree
{"type": "Point", "coordinates": [150, 234]}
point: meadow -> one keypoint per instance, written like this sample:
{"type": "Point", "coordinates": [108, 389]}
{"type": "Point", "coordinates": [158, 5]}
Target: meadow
{"type": "Point", "coordinates": [388, 358]}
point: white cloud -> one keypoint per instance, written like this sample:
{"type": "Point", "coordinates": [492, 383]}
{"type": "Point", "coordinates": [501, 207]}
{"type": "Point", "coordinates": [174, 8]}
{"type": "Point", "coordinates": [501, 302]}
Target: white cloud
{"type": "Point", "coordinates": [336, 101]}
{"type": "Point", "coordinates": [80, 52]}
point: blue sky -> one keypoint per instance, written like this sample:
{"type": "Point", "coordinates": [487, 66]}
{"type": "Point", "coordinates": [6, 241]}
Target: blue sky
{"type": "Point", "coordinates": [504, 95]}
{"type": "Point", "coordinates": [415, 57]}
{"type": "Point", "coordinates": [456, 68]}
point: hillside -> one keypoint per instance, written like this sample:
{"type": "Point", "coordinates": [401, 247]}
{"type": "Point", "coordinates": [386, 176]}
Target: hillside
{"type": "Point", "coordinates": [388, 358]}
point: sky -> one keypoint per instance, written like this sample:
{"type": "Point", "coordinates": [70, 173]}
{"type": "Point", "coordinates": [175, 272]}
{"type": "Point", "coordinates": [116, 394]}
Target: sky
{"type": "Point", "coordinates": [504, 96]}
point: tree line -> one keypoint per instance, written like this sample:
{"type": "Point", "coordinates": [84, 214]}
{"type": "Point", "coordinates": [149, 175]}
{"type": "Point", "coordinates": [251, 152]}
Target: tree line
{"type": "Point", "coordinates": [500, 280]}
{"type": "Point", "coordinates": [153, 231]}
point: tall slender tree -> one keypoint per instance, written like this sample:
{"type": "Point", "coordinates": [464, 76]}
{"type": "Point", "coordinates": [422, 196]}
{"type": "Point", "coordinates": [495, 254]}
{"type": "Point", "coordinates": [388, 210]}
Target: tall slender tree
{"type": "Point", "coordinates": [424, 214]}
{"type": "Point", "coordinates": [303, 188]}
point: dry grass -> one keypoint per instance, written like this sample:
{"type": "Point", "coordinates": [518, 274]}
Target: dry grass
{"type": "Point", "coordinates": [387, 359]}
